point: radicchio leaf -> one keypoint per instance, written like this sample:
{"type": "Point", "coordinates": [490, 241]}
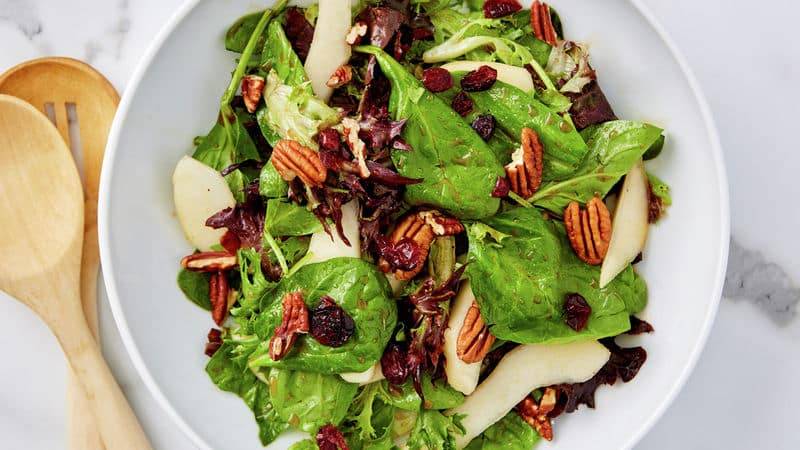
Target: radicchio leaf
{"type": "Point", "coordinates": [382, 24]}
{"type": "Point", "coordinates": [379, 133]}
{"type": "Point", "coordinates": [299, 31]}
{"type": "Point", "coordinates": [590, 107]}
{"type": "Point", "coordinates": [245, 221]}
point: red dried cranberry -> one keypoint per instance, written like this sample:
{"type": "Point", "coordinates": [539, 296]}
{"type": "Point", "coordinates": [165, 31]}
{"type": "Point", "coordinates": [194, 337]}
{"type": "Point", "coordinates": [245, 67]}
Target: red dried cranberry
{"type": "Point", "coordinates": [501, 188]}
{"type": "Point", "coordinates": [214, 342]}
{"type": "Point", "coordinates": [492, 9]}
{"type": "Point", "coordinates": [330, 438]}
{"type": "Point", "coordinates": [437, 79]}
{"type": "Point", "coordinates": [329, 139]}
{"type": "Point", "coordinates": [462, 104]}
{"type": "Point", "coordinates": [484, 126]}
{"type": "Point", "coordinates": [330, 324]}
{"type": "Point", "coordinates": [577, 311]}
{"type": "Point", "coordinates": [401, 255]}
{"type": "Point", "coordinates": [479, 79]}
{"type": "Point", "coordinates": [394, 364]}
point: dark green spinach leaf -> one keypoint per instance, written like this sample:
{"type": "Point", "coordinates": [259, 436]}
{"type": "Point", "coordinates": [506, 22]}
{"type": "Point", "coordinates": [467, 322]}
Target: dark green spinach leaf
{"type": "Point", "coordinates": [458, 168]}
{"type": "Point", "coordinates": [520, 282]}
{"type": "Point", "coordinates": [289, 219]}
{"type": "Point", "coordinates": [360, 289]}
{"type": "Point", "coordinates": [614, 147]}
{"type": "Point", "coordinates": [194, 286]}
{"type": "Point", "coordinates": [239, 33]}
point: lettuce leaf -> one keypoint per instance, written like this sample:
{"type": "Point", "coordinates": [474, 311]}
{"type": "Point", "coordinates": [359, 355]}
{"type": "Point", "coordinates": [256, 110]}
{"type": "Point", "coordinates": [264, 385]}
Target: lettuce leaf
{"type": "Point", "coordinates": [521, 282]}
{"type": "Point", "coordinates": [434, 430]}
{"type": "Point", "coordinates": [510, 433]}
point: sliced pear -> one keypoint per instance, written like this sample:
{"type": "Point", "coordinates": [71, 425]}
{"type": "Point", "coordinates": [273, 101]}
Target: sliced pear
{"type": "Point", "coordinates": [371, 375]}
{"type": "Point", "coordinates": [397, 285]}
{"type": "Point", "coordinates": [462, 376]}
{"type": "Point", "coordinates": [522, 370]}
{"type": "Point", "coordinates": [515, 76]}
{"type": "Point", "coordinates": [199, 192]}
{"type": "Point", "coordinates": [328, 50]}
{"type": "Point", "coordinates": [630, 224]}
{"type": "Point", "coordinates": [324, 247]}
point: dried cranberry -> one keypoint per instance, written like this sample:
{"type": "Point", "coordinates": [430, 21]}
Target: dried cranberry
{"type": "Point", "coordinates": [329, 139]}
{"type": "Point", "coordinates": [437, 79]}
{"type": "Point", "coordinates": [484, 125]}
{"type": "Point", "coordinates": [330, 324]}
{"type": "Point", "coordinates": [214, 341]}
{"type": "Point", "coordinates": [479, 79]}
{"type": "Point", "coordinates": [330, 438]}
{"type": "Point", "coordinates": [577, 311]}
{"type": "Point", "coordinates": [401, 255]}
{"type": "Point", "coordinates": [492, 9]}
{"type": "Point", "coordinates": [462, 104]}
{"type": "Point", "coordinates": [394, 364]}
{"type": "Point", "coordinates": [501, 188]}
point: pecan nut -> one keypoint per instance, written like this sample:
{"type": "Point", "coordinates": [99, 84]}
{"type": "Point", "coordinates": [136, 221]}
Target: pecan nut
{"type": "Point", "coordinates": [474, 340]}
{"type": "Point", "coordinates": [525, 170]}
{"type": "Point", "coordinates": [292, 159]}
{"type": "Point", "coordinates": [421, 228]}
{"type": "Point", "coordinates": [536, 415]}
{"type": "Point", "coordinates": [295, 321]}
{"type": "Point", "coordinates": [589, 230]}
{"type": "Point", "coordinates": [542, 23]}
{"type": "Point", "coordinates": [252, 89]}
{"type": "Point", "coordinates": [219, 292]}
{"type": "Point", "coordinates": [355, 34]}
{"type": "Point", "coordinates": [209, 262]}
{"type": "Point", "coordinates": [341, 76]}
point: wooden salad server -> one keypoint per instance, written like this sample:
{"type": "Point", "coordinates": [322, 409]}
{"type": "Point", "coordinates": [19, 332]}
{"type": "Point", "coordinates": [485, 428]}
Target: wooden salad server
{"type": "Point", "coordinates": [41, 215]}
{"type": "Point", "coordinates": [65, 83]}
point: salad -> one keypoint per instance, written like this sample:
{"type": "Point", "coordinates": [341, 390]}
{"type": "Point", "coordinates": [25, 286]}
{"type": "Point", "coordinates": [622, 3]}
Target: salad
{"type": "Point", "coordinates": [416, 225]}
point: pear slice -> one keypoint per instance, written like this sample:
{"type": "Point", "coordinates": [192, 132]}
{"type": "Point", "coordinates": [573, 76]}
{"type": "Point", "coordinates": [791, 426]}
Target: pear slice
{"type": "Point", "coordinates": [199, 192]}
{"type": "Point", "coordinates": [324, 246]}
{"type": "Point", "coordinates": [522, 370]}
{"type": "Point", "coordinates": [515, 76]}
{"type": "Point", "coordinates": [630, 224]}
{"type": "Point", "coordinates": [462, 376]}
{"type": "Point", "coordinates": [371, 375]}
{"type": "Point", "coordinates": [328, 50]}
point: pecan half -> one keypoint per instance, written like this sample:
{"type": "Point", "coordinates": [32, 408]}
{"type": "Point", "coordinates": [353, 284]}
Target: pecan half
{"type": "Point", "coordinates": [294, 321]}
{"type": "Point", "coordinates": [474, 340]}
{"type": "Point", "coordinates": [542, 23]}
{"type": "Point", "coordinates": [252, 88]}
{"type": "Point", "coordinates": [209, 262]}
{"type": "Point", "coordinates": [292, 159]}
{"type": "Point", "coordinates": [355, 34]}
{"type": "Point", "coordinates": [219, 292]}
{"type": "Point", "coordinates": [421, 228]}
{"type": "Point", "coordinates": [525, 170]}
{"type": "Point", "coordinates": [536, 414]}
{"type": "Point", "coordinates": [589, 230]}
{"type": "Point", "coordinates": [341, 76]}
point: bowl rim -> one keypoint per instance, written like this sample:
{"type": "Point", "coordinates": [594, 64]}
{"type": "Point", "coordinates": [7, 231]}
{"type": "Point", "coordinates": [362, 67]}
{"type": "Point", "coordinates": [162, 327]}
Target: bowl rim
{"type": "Point", "coordinates": [103, 216]}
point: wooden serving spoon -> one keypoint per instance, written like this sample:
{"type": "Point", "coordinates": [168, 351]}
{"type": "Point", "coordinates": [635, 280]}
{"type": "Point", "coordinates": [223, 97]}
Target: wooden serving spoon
{"type": "Point", "coordinates": [41, 215]}
{"type": "Point", "coordinates": [59, 84]}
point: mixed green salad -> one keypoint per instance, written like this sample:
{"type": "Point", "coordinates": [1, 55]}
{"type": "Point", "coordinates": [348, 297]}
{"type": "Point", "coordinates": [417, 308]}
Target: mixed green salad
{"type": "Point", "coordinates": [416, 224]}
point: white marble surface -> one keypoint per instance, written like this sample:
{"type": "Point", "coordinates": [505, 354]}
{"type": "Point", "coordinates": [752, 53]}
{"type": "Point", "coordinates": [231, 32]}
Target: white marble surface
{"type": "Point", "coordinates": [742, 394]}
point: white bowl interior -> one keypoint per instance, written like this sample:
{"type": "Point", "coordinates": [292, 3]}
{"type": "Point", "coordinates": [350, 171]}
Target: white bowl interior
{"type": "Point", "coordinates": [174, 97]}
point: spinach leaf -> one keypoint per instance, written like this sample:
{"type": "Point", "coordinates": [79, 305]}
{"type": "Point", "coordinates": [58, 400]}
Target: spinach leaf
{"type": "Point", "coordinates": [660, 189]}
{"type": "Point", "coordinates": [434, 430]}
{"type": "Point", "coordinates": [218, 151]}
{"type": "Point", "coordinates": [510, 433]}
{"type": "Point", "coordinates": [270, 183]}
{"type": "Point", "coordinates": [458, 168]}
{"type": "Point", "coordinates": [309, 400]}
{"type": "Point", "coordinates": [232, 375]}
{"type": "Point", "coordinates": [254, 283]}
{"type": "Point", "coordinates": [564, 148]}
{"type": "Point", "coordinates": [194, 286]}
{"type": "Point", "coordinates": [289, 219]}
{"type": "Point", "coordinates": [614, 147]}
{"type": "Point", "coordinates": [360, 289]}
{"type": "Point", "coordinates": [439, 395]}
{"type": "Point", "coordinates": [655, 149]}
{"type": "Point", "coordinates": [280, 57]}
{"type": "Point", "coordinates": [239, 33]}
{"type": "Point", "coordinates": [520, 282]}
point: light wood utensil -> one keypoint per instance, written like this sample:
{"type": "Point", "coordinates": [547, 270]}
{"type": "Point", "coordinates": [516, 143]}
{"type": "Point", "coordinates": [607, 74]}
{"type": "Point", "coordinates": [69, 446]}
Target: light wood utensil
{"type": "Point", "coordinates": [60, 84]}
{"type": "Point", "coordinates": [41, 215]}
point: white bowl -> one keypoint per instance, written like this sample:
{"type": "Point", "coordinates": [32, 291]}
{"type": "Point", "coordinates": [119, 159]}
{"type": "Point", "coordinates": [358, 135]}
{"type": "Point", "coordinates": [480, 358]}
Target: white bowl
{"type": "Point", "coordinates": [174, 96]}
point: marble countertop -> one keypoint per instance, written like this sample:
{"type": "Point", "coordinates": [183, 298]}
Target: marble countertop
{"type": "Point", "coordinates": [742, 393]}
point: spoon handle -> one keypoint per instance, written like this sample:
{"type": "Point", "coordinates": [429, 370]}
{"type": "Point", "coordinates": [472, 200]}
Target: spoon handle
{"type": "Point", "coordinates": [118, 426]}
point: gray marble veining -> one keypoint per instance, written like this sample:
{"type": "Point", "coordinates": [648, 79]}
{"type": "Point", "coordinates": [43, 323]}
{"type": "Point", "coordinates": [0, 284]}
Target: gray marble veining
{"type": "Point", "coordinates": [751, 277]}
{"type": "Point", "coordinates": [23, 14]}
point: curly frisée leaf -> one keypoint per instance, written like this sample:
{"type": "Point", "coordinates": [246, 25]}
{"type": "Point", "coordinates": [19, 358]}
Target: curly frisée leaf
{"type": "Point", "coordinates": [294, 113]}
{"type": "Point", "coordinates": [435, 430]}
